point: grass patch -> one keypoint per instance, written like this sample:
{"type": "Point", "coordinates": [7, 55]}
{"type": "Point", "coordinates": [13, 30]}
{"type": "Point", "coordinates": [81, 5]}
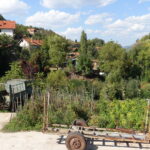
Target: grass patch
{"type": "Point", "coordinates": [30, 118]}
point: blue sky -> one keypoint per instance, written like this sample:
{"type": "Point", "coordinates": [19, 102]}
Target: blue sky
{"type": "Point", "coordinates": [123, 21]}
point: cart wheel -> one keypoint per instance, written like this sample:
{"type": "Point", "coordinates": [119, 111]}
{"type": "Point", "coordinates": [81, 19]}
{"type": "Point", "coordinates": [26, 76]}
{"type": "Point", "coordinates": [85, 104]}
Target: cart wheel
{"type": "Point", "coordinates": [80, 122]}
{"type": "Point", "coordinates": [75, 141]}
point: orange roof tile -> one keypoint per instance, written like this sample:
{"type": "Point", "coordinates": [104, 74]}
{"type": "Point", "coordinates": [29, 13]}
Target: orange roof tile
{"type": "Point", "coordinates": [7, 24]}
{"type": "Point", "coordinates": [34, 42]}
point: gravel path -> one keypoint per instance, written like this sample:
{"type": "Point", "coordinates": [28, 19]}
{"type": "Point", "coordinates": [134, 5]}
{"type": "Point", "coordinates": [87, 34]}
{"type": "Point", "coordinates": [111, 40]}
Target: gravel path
{"type": "Point", "coordinates": [40, 141]}
{"type": "Point", "coordinates": [5, 118]}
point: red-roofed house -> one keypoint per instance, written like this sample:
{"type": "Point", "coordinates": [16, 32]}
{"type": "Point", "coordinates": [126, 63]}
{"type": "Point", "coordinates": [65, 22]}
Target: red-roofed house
{"type": "Point", "coordinates": [30, 43]}
{"type": "Point", "coordinates": [32, 31]}
{"type": "Point", "coordinates": [7, 27]}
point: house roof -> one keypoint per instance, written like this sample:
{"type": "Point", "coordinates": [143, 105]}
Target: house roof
{"type": "Point", "coordinates": [34, 42]}
{"type": "Point", "coordinates": [32, 30]}
{"type": "Point", "coordinates": [7, 24]}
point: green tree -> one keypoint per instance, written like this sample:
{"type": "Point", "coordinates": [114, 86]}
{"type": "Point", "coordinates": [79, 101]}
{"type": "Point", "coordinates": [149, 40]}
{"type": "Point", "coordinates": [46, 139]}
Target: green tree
{"type": "Point", "coordinates": [111, 57]}
{"type": "Point", "coordinates": [40, 58]}
{"type": "Point", "coordinates": [57, 49]}
{"type": "Point", "coordinates": [21, 31]}
{"type": "Point", "coordinates": [132, 88]}
{"type": "Point", "coordinates": [98, 42]}
{"type": "Point", "coordinates": [140, 56]}
{"type": "Point", "coordinates": [24, 54]}
{"type": "Point", "coordinates": [57, 79]}
{"type": "Point", "coordinates": [9, 52]}
{"type": "Point", "coordinates": [84, 65]}
{"type": "Point", "coordinates": [14, 72]}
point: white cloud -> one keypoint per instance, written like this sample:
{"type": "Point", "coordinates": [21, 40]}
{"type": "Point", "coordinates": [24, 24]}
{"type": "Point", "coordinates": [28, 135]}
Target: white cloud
{"type": "Point", "coordinates": [98, 19]}
{"type": "Point", "coordinates": [75, 3]}
{"type": "Point", "coordinates": [75, 33]}
{"type": "Point", "coordinates": [127, 30]}
{"type": "Point", "coordinates": [130, 24]}
{"type": "Point", "coordinates": [13, 7]}
{"type": "Point", "coordinates": [124, 31]}
{"type": "Point", "coordinates": [105, 2]}
{"type": "Point", "coordinates": [72, 33]}
{"type": "Point", "coordinates": [52, 19]}
{"type": "Point", "coordinates": [142, 1]}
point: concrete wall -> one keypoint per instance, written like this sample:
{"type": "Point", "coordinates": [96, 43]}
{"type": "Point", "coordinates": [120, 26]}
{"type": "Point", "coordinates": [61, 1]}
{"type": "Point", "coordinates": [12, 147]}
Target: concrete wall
{"type": "Point", "coordinates": [9, 32]}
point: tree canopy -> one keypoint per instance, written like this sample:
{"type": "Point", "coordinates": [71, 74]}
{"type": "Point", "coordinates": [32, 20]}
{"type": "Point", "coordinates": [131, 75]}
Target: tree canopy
{"type": "Point", "coordinates": [111, 57]}
{"type": "Point", "coordinates": [9, 52]}
{"type": "Point", "coordinates": [84, 65]}
{"type": "Point", "coordinates": [57, 47]}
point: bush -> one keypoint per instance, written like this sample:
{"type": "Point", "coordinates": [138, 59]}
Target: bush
{"type": "Point", "coordinates": [132, 88]}
{"type": "Point", "coordinates": [14, 72]}
{"type": "Point", "coordinates": [145, 90]}
{"type": "Point", "coordinates": [30, 118]}
{"type": "Point", "coordinates": [57, 79]}
{"type": "Point", "coordinates": [124, 114]}
{"type": "Point", "coordinates": [65, 107]}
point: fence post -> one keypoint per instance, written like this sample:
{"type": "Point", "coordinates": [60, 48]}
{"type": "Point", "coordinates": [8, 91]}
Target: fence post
{"type": "Point", "coordinates": [147, 122]}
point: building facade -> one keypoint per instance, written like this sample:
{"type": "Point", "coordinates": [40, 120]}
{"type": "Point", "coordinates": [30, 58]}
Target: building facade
{"type": "Point", "coordinates": [7, 27]}
{"type": "Point", "coordinates": [30, 43]}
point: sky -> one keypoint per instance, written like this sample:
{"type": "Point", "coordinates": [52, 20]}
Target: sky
{"type": "Point", "coordinates": [123, 21]}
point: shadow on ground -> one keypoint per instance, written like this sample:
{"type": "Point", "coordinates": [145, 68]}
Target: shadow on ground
{"type": "Point", "coordinates": [95, 144]}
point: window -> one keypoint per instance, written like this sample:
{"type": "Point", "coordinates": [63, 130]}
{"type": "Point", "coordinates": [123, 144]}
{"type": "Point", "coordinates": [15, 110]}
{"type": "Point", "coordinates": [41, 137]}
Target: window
{"type": "Point", "coordinates": [0, 30]}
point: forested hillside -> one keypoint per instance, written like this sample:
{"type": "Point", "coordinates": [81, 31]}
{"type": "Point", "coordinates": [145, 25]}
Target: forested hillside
{"type": "Point", "coordinates": [113, 78]}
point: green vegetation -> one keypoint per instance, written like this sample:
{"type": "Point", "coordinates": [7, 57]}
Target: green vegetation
{"type": "Point", "coordinates": [9, 52]}
{"type": "Point", "coordinates": [57, 48]}
{"type": "Point", "coordinates": [109, 95]}
{"type": "Point", "coordinates": [14, 72]}
{"type": "Point", "coordinates": [84, 62]}
{"type": "Point", "coordinates": [30, 118]}
{"type": "Point", "coordinates": [128, 114]}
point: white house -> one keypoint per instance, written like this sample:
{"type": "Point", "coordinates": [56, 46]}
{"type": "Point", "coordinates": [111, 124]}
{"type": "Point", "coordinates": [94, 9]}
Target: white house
{"type": "Point", "coordinates": [30, 43]}
{"type": "Point", "coordinates": [7, 27]}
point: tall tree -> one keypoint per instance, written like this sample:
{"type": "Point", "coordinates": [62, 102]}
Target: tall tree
{"type": "Point", "coordinates": [57, 49]}
{"type": "Point", "coordinates": [9, 51]}
{"type": "Point", "coordinates": [140, 56]}
{"type": "Point", "coordinates": [21, 31]}
{"type": "Point", "coordinates": [84, 64]}
{"type": "Point", "coordinates": [111, 57]}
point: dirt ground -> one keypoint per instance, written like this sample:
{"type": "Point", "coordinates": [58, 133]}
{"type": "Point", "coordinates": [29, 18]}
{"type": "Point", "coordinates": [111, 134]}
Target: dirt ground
{"type": "Point", "coordinates": [46, 141]}
{"type": "Point", "coordinates": [5, 118]}
{"type": "Point", "coordinates": [40, 141]}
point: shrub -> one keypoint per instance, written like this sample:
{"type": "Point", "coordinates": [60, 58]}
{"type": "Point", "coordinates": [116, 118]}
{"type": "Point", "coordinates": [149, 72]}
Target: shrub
{"type": "Point", "coordinates": [30, 118]}
{"type": "Point", "coordinates": [57, 79]}
{"type": "Point", "coordinates": [125, 114]}
{"type": "Point", "coordinates": [14, 72]}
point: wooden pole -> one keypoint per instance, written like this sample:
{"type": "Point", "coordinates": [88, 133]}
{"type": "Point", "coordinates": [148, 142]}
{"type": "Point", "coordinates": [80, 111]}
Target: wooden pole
{"type": "Point", "coordinates": [149, 116]}
{"type": "Point", "coordinates": [44, 113]}
{"type": "Point", "coordinates": [147, 122]}
{"type": "Point", "coordinates": [47, 115]}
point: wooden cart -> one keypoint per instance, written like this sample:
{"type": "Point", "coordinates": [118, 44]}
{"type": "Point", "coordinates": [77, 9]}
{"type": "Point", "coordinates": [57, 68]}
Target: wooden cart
{"type": "Point", "coordinates": [77, 136]}
{"type": "Point", "coordinates": [79, 132]}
